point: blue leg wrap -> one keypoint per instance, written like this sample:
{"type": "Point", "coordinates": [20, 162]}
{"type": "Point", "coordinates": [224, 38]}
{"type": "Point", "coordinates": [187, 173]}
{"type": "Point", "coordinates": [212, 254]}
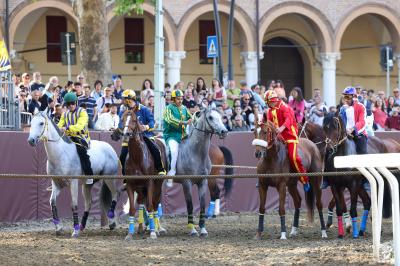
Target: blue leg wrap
{"type": "Point", "coordinates": [364, 220]}
{"type": "Point", "coordinates": [151, 222]}
{"type": "Point", "coordinates": [211, 208]}
{"type": "Point", "coordinates": [131, 228]}
{"type": "Point", "coordinates": [160, 210]}
{"type": "Point", "coordinates": [355, 227]}
{"type": "Point", "coordinates": [146, 217]}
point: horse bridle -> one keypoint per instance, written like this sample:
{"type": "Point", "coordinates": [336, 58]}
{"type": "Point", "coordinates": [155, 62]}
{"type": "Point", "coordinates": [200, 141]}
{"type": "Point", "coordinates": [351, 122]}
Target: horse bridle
{"type": "Point", "coordinates": [126, 127]}
{"type": "Point", "coordinates": [339, 140]}
{"type": "Point", "coordinates": [303, 131]}
{"type": "Point", "coordinates": [44, 138]}
{"type": "Point", "coordinates": [205, 131]}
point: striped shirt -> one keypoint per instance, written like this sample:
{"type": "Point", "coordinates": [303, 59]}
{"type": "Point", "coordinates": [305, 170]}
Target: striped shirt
{"type": "Point", "coordinates": [90, 103]}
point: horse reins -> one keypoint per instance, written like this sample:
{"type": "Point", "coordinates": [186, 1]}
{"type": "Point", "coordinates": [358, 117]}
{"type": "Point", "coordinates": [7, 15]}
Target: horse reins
{"type": "Point", "coordinates": [44, 138]}
{"type": "Point", "coordinates": [338, 141]}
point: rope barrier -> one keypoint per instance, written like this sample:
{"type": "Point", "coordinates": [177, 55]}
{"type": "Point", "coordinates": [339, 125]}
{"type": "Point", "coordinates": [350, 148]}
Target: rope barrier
{"type": "Point", "coordinates": [234, 166]}
{"type": "Point", "coordinates": [180, 177]}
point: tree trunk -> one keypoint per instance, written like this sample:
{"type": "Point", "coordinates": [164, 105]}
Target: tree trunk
{"type": "Point", "coordinates": [93, 40]}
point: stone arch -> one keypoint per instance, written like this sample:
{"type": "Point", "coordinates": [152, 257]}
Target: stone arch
{"type": "Point", "coordinates": [388, 18]}
{"type": "Point", "coordinates": [196, 11]}
{"type": "Point", "coordinates": [321, 24]}
{"type": "Point", "coordinates": [168, 24]}
{"type": "Point", "coordinates": [21, 11]}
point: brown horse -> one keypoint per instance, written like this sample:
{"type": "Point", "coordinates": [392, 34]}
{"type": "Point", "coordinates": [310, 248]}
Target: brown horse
{"type": "Point", "coordinates": [273, 158]}
{"type": "Point", "coordinates": [140, 162]}
{"type": "Point", "coordinates": [219, 155]}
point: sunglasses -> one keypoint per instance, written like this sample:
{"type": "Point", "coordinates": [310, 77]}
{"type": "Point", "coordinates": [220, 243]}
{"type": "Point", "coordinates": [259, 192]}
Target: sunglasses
{"type": "Point", "coordinates": [70, 104]}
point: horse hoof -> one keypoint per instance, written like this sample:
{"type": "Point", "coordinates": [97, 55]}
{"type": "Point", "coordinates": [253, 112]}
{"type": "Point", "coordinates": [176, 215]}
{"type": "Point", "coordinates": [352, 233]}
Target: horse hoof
{"type": "Point", "coordinates": [162, 231]}
{"type": "Point", "coordinates": [294, 232]}
{"type": "Point", "coordinates": [348, 229]}
{"type": "Point", "coordinates": [81, 227]}
{"type": "Point", "coordinates": [361, 233]}
{"type": "Point", "coordinates": [75, 234]}
{"type": "Point", "coordinates": [258, 236]}
{"type": "Point", "coordinates": [283, 235]}
{"type": "Point", "coordinates": [110, 214]}
{"type": "Point", "coordinates": [323, 234]}
{"type": "Point", "coordinates": [112, 226]}
{"type": "Point", "coordinates": [153, 235]}
{"type": "Point", "coordinates": [194, 233]}
{"type": "Point", "coordinates": [203, 232]}
{"type": "Point", "coordinates": [355, 237]}
{"type": "Point", "coordinates": [328, 225]}
{"type": "Point", "coordinates": [129, 237]}
{"type": "Point", "coordinates": [59, 232]}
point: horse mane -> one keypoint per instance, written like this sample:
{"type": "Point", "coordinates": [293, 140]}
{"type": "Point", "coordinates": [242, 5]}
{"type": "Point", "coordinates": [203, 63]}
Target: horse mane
{"type": "Point", "coordinates": [63, 136]}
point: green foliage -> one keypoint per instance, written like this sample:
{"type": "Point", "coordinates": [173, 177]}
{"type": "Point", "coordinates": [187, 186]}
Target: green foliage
{"type": "Point", "coordinates": [125, 7]}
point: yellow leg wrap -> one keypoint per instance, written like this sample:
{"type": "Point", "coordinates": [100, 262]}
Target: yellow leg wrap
{"type": "Point", "coordinates": [156, 221]}
{"type": "Point", "coordinates": [141, 216]}
{"type": "Point", "coordinates": [190, 226]}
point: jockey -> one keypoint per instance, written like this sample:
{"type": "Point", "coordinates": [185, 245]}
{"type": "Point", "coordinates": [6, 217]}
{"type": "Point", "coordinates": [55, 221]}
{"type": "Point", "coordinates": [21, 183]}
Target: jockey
{"type": "Point", "coordinates": [176, 118]}
{"type": "Point", "coordinates": [146, 120]}
{"type": "Point", "coordinates": [74, 122]}
{"type": "Point", "coordinates": [283, 118]}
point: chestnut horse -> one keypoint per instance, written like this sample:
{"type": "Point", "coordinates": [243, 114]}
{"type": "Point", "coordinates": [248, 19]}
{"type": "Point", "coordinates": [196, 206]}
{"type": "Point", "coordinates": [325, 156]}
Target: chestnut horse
{"type": "Point", "coordinates": [140, 162]}
{"type": "Point", "coordinates": [273, 158]}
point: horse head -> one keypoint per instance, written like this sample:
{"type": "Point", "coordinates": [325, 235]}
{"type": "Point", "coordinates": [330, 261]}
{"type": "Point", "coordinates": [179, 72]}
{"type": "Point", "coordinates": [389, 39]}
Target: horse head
{"type": "Point", "coordinates": [131, 123]}
{"type": "Point", "coordinates": [209, 120]}
{"type": "Point", "coordinates": [264, 138]}
{"type": "Point", "coordinates": [39, 128]}
{"type": "Point", "coordinates": [335, 131]}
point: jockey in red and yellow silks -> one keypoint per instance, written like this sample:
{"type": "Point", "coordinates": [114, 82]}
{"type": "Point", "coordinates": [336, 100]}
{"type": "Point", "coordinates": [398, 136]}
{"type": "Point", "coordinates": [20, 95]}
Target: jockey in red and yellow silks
{"type": "Point", "coordinates": [283, 118]}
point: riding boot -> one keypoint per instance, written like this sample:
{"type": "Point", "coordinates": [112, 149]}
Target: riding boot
{"type": "Point", "coordinates": [122, 159]}
{"type": "Point", "coordinates": [81, 148]}
{"type": "Point", "coordinates": [325, 183]}
{"type": "Point", "coordinates": [155, 152]}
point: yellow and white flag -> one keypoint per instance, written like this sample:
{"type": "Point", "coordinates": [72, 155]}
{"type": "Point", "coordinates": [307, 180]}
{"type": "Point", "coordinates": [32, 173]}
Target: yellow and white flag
{"type": "Point", "coordinates": [4, 58]}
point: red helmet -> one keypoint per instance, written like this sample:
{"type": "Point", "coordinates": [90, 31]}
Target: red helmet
{"type": "Point", "coordinates": [271, 96]}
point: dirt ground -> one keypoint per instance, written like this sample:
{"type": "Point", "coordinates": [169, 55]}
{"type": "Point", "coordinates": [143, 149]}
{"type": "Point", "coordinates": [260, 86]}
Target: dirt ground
{"type": "Point", "coordinates": [230, 242]}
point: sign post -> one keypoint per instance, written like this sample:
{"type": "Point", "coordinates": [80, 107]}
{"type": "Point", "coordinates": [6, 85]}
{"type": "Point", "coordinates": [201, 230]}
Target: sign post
{"type": "Point", "coordinates": [68, 50]}
{"type": "Point", "coordinates": [212, 52]}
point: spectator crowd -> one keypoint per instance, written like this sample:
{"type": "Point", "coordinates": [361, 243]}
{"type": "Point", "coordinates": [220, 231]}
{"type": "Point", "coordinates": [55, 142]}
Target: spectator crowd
{"type": "Point", "coordinates": [240, 106]}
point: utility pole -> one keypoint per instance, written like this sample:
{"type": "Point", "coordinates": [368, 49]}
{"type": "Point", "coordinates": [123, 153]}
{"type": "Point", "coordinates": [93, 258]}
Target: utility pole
{"type": "Point", "coordinates": [219, 38]}
{"type": "Point", "coordinates": [67, 35]}
{"type": "Point", "coordinates": [230, 40]}
{"type": "Point", "coordinates": [159, 68]}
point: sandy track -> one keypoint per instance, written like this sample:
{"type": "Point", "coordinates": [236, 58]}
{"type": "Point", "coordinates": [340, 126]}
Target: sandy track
{"type": "Point", "coordinates": [230, 242]}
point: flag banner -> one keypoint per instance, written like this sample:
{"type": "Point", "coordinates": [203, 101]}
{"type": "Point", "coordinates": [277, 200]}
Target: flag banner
{"type": "Point", "coordinates": [4, 58]}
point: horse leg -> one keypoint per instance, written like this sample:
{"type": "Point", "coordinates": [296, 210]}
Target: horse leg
{"type": "Point", "coordinates": [353, 206]}
{"type": "Point", "coordinates": [150, 208]}
{"type": "Point", "coordinates": [214, 194]}
{"type": "Point", "coordinates": [367, 206]}
{"type": "Point", "coordinates": [55, 191]}
{"type": "Point", "coordinates": [142, 211]}
{"type": "Point", "coordinates": [297, 204]}
{"type": "Point", "coordinates": [131, 220]}
{"type": "Point", "coordinates": [202, 187]}
{"type": "Point", "coordinates": [74, 197]}
{"type": "Point", "coordinates": [318, 203]}
{"type": "Point", "coordinates": [339, 201]}
{"type": "Point", "coordinates": [114, 195]}
{"type": "Point", "coordinates": [157, 202]}
{"type": "Point", "coordinates": [331, 205]}
{"type": "Point", "coordinates": [187, 190]}
{"type": "Point", "coordinates": [262, 193]}
{"type": "Point", "coordinates": [87, 196]}
{"type": "Point", "coordinates": [282, 199]}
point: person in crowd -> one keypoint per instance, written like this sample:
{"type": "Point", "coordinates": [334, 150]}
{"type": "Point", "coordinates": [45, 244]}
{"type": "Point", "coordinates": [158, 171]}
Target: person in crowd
{"type": "Point", "coordinates": [253, 115]}
{"type": "Point", "coordinates": [332, 109]}
{"type": "Point", "coordinates": [81, 79]}
{"type": "Point", "coordinates": [380, 115]}
{"type": "Point", "coordinates": [255, 89]}
{"type": "Point", "coordinates": [147, 91]}
{"type": "Point", "coordinates": [118, 90]}
{"type": "Point", "coordinates": [359, 90]}
{"type": "Point", "coordinates": [108, 121]}
{"type": "Point", "coordinates": [23, 101]}
{"type": "Point", "coordinates": [168, 99]}
{"type": "Point", "coordinates": [26, 80]}
{"type": "Point", "coordinates": [180, 85]}
{"type": "Point", "coordinates": [16, 79]}
{"type": "Point", "coordinates": [237, 102]}
{"type": "Point", "coordinates": [297, 103]}
{"type": "Point", "coordinates": [232, 93]}
{"type": "Point", "coordinates": [282, 116]}
{"type": "Point", "coordinates": [226, 109]}
{"type": "Point", "coordinates": [204, 103]}
{"type": "Point", "coordinates": [238, 124]}
{"type": "Point", "coordinates": [74, 122]}
{"type": "Point", "coordinates": [188, 99]}
{"type": "Point", "coordinates": [201, 90]}
{"type": "Point", "coordinates": [48, 95]}
{"type": "Point", "coordinates": [390, 105]}
{"type": "Point", "coordinates": [175, 120]}
{"type": "Point", "coordinates": [108, 97]}
{"type": "Point", "coordinates": [364, 99]}
{"type": "Point", "coordinates": [90, 103]}
{"type": "Point", "coordinates": [396, 95]}
{"type": "Point", "coordinates": [34, 105]}
{"type": "Point", "coordinates": [279, 89]}
{"type": "Point", "coordinates": [318, 111]}
{"type": "Point", "coordinates": [58, 111]}
{"type": "Point", "coordinates": [36, 83]}
{"type": "Point", "coordinates": [218, 92]}
{"type": "Point", "coordinates": [393, 121]}
{"type": "Point", "coordinates": [270, 85]}
{"type": "Point", "coordinates": [67, 88]}
{"type": "Point", "coordinates": [244, 89]}
{"type": "Point", "coordinates": [193, 107]}
{"type": "Point", "coordinates": [246, 108]}
{"type": "Point", "coordinates": [98, 90]}
{"type": "Point", "coordinates": [150, 104]}
{"type": "Point", "coordinates": [381, 94]}
{"type": "Point", "coordinates": [78, 89]}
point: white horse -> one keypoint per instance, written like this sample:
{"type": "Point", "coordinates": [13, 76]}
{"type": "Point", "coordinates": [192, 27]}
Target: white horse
{"type": "Point", "coordinates": [63, 159]}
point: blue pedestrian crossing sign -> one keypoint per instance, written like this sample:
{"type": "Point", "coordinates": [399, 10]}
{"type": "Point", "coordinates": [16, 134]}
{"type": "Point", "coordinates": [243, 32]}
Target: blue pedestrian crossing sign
{"type": "Point", "coordinates": [212, 47]}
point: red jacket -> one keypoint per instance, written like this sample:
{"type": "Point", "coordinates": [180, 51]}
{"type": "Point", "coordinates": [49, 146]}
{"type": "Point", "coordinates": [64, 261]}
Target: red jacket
{"type": "Point", "coordinates": [283, 114]}
{"type": "Point", "coordinates": [359, 118]}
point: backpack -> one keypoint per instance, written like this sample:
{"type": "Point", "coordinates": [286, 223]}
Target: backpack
{"type": "Point", "coordinates": [104, 101]}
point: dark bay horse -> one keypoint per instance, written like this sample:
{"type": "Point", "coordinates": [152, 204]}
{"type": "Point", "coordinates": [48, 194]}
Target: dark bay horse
{"type": "Point", "coordinates": [273, 158]}
{"type": "Point", "coordinates": [219, 155]}
{"type": "Point", "coordinates": [140, 162]}
{"type": "Point", "coordinates": [340, 145]}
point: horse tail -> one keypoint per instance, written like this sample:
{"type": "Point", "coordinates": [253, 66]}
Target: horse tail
{"type": "Point", "coordinates": [228, 159]}
{"type": "Point", "coordinates": [310, 202]}
{"type": "Point", "coordinates": [105, 198]}
{"type": "Point", "coordinates": [387, 200]}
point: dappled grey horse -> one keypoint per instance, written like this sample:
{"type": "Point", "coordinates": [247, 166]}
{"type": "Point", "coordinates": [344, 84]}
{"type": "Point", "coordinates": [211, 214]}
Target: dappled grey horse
{"type": "Point", "coordinates": [193, 159]}
{"type": "Point", "coordinates": [63, 159]}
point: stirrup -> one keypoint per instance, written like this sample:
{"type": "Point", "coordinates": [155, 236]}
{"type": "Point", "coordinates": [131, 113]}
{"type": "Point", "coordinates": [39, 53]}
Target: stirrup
{"type": "Point", "coordinates": [162, 173]}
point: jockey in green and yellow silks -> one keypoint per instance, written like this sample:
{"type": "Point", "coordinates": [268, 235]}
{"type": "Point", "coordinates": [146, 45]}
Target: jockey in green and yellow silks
{"type": "Point", "coordinates": [74, 122]}
{"type": "Point", "coordinates": [175, 120]}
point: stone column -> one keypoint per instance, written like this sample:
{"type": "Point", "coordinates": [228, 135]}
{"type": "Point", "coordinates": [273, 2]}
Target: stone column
{"type": "Point", "coordinates": [329, 77]}
{"type": "Point", "coordinates": [398, 71]}
{"type": "Point", "coordinates": [173, 63]}
{"type": "Point", "coordinates": [250, 65]}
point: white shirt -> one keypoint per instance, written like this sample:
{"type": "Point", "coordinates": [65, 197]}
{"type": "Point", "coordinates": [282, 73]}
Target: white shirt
{"type": "Point", "coordinates": [314, 117]}
{"type": "Point", "coordinates": [107, 121]}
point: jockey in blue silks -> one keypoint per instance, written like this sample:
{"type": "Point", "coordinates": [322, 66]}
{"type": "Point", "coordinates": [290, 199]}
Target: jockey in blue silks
{"type": "Point", "coordinates": [146, 120]}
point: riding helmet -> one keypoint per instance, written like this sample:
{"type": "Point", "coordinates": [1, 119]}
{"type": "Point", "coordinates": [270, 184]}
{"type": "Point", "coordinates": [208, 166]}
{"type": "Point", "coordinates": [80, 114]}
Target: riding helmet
{"type": "Point", "coordinates": [349, 90]}
{"type": "Point", "coordinates": [129, 94]}
{"type": "Point", "coordinates": [70, 97]}
{"type": "Point", "coordinates": [271, 96]}
{"type": "Point", "coordinates": [176, 93]}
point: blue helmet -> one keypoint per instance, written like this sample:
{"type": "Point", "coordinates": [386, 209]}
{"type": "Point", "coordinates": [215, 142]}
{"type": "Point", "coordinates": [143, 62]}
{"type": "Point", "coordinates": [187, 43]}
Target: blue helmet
{"type": "Point", "coordinates": [349, 91]}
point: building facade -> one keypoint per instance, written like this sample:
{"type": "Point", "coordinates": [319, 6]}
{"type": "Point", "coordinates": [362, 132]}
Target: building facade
{"type": "Point", "coordinates": [307, 43]}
